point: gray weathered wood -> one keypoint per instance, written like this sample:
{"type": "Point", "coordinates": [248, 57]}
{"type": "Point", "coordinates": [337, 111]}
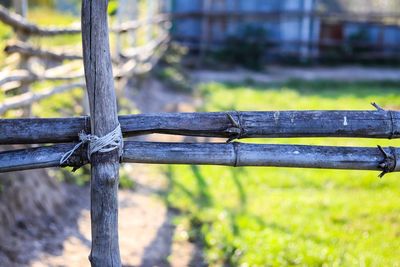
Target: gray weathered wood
{"type": "Point", "coordinates": [232, 154]}
{"type": "Point", "coordinates": [270, 124]}
{"type": "Point", "coordinates": [146, 50]}
{"type": "Point", "coordinates": [239, 154]}
{"type": "Point", "coordinates": [21, 7]}
{"type": "Point", "coordinates": [103, 110]}
{"type": "Point", "coordinates": [28, 98]}
{"type": "Point", "coordinates": [133, 25]}
{"type": "Point", "coordinates": [29, 51]}
{"type": "Point", "coordinates": [19, 23]}
{"type": "Point", "coordinates": [40, 157]}
{"type": "Point", "coordinates": [27, 77]}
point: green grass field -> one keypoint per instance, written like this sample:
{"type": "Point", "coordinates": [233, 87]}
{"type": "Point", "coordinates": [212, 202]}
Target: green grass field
{"type": "Point", "coordinates": [292, 217]}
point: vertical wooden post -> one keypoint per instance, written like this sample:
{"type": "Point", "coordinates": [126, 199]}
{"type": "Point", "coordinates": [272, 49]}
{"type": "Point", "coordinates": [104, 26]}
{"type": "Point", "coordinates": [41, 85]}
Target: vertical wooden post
{"type": "Point", "coordinates": [118, 37]}
{"type": "Point", "coordinates": [134, 16]}
{"type": "Point", "coordinates": [149, 28]}
{"type": "Point", "coordinates": [21, 8]}
{"type": "Point", "coordinates": [103, 110]}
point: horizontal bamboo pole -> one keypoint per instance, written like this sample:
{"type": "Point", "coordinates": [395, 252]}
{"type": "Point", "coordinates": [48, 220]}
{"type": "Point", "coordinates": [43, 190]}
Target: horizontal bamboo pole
{"type": "Point", "coordinates": [28, 77]}
{"type": "Point", "coordinates": [19, 23]}
{"type": "Point", "coordinates": [29, 51]}
{"type": "Point", "coordinates": [135, 24]}
{"type": "Point", "coordinates": [23, 76]}
{"type": "Point", "coordinates": [144, 50]}
{"type": "Point", "coordinates": [232, 154]}
{"type": "Point", "coordinates": [36, 158]}
{"type": "Point", "coordinates": [143, 62]}
{"type": "Point", "coordinates": [68, 71]}
{"type": "Point", "coordinates": [235, 125]}
{"type": "Point", "coordinates": [29, 98]}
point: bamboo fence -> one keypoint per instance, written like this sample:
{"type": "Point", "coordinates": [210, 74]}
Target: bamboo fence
{"type": "Point", "coordinates": [232, 125]}
{"type": "Point", "coordinates": [133, 61]}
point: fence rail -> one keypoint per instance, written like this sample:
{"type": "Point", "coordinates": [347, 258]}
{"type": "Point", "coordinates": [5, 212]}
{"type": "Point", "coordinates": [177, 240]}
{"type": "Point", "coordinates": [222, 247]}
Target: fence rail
{"type": "Point", "coordinates": [29, 51]}
{"type": "Point", "coordinates": [20, 24]}
{"type": "Point", "coordinates": [107, 149]}
{"type": "Point", "coordinates": [137, 60]}
{"type": "Point", "coordinates": [232, 125]}
{"type": "Point", "coordinates": [232, 154]}
{"type": "Point", "coordinates": [29, 98]}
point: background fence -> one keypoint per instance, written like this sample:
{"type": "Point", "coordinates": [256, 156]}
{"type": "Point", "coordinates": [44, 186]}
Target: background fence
{"type": "Point", "coordinates": [137, 44]}
{"type": "Point", "coordinates": [107, 129]}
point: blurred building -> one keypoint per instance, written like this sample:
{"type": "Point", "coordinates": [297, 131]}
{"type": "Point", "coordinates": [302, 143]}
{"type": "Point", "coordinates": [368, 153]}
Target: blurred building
{"type": "Point", "coordinates": [302, 29]}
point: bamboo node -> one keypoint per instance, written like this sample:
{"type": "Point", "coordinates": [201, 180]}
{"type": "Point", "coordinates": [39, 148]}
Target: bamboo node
{"type": "Point", "coordinates": [236, 152]}
{"type": "Point", "coordinates": [236, 130]}
{"type": "Point", "coordinates": [392, 133]}
{"type": "Point", "coordinates": [389, 162]}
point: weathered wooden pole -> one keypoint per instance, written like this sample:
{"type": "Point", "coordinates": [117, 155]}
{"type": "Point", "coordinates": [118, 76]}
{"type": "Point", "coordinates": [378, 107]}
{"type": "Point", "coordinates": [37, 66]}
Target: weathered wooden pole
{"type": "Point", "coordinates": [233, 125]}
{"type": "Point", "coordinates": [103, 109]}
{"type": "Point", "coordinates": [21, 8]}
{"type": "Point", "coordinates": [233, 154]}
{"type": "Point", "coordinates": [150, 16]}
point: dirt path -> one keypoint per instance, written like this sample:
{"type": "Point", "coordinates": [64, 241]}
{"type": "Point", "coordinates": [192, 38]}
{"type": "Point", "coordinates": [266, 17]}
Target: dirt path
{"type": "Point", "coordinates": [145, 223]}
{"type": "Point", "coordinates": [279, 74]}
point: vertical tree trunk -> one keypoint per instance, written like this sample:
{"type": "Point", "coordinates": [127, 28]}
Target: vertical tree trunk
{"type": "Point", "coordinates": [103, 110]}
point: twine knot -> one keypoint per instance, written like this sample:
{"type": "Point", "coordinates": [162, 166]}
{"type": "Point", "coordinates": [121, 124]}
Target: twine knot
{"type": "Point", "coordinates": [107, 143]}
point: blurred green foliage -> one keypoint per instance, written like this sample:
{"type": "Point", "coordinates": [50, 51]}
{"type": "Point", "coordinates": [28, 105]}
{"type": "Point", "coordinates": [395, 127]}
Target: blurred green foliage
{"type": "Point", "coordinates": [292, 217]}
{"type": "Point", "coordinates": [112, 7]}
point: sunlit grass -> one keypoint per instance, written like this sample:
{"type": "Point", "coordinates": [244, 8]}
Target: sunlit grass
{"type": "Point", "coordinates": [293, 217]}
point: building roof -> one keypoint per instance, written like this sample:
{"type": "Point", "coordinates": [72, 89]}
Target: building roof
{"type": "Point", "coordinates": [359, 6]}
